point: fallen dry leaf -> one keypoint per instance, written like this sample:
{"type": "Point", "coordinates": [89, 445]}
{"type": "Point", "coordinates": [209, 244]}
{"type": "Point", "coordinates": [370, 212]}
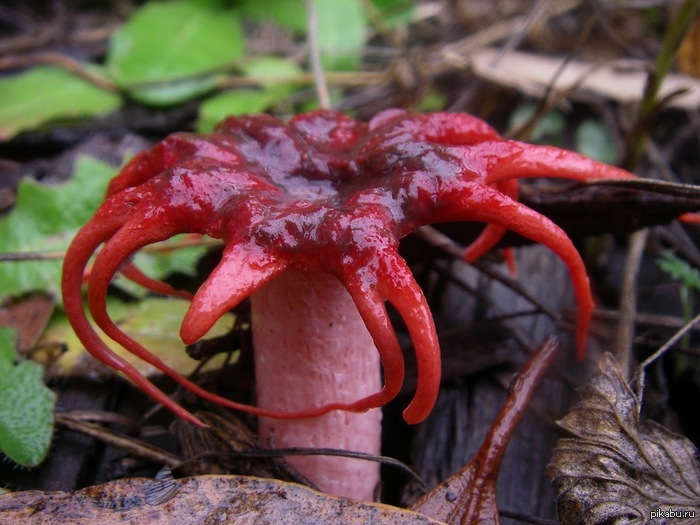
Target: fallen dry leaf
{"type": "Point", "coordinates": [533, 73]}
{"type": "Point", "coordinates": [29, 315]}
{"type": "Point", "coordinates": [688, 54]}
{"type": "Point", "coordinates": [203, 499]}
{"type": "Point", "coordinates": [618, 468]}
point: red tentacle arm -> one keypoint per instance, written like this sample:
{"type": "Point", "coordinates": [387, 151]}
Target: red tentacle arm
{"type": "Point", "coordinates": [86, 242]}
{"type": "Point", "coordinates": [371, 307]}
{"type": "Point", "coordinates": [389, 279]}
{"type": "Point", "coordinates": [505, 160]}
{"type": "Point", "coordinates": [493, 233]}
{"type": "Point", "coordinates": [497, 208]}
{"type": "Point", "coordinates": [396, 283]}
{"type": "Point", "coordinates": [134, 274]}
{"type": "Point", "coordinates": [243, 269]}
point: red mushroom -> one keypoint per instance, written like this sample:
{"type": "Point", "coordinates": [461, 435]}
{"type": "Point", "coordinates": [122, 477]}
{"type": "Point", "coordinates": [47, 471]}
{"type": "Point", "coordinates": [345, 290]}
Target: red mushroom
{"type": "Point", "coordinates": [311, 213]}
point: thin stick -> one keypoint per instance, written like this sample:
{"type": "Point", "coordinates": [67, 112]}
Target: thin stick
{"type": "Point", "coordinates": [628, 301]}
{"type": "Point", "coordinates": [64, 62]}
{"type": "Point", "coordinates": [31, 256]}
{"type": "Point", "coordinates": [133, 446]}
{"type": "Point", "coordinates": [639, 376]}
{"type": "Point", "coordinates": [324, 98]}
{"type": "Point", "coordinates": [300, 451]}
{"type": "Point", "coordinates": [447, 245]}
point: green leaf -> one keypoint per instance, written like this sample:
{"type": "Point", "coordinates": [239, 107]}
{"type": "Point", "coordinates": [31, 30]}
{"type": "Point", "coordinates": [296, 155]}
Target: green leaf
{"type": "Point", "coordinates": [45, 94]}
{"type": "Point", "coordinates": [395, 12]}
{"type": "Point", "coordinates": [238, 102]}
{"type": "Point", "coordinates": [432, 101]}
{"type": "Point", "coordinates": [169, 52]}
{"type": "Point", "coordinates": [154, 322]}
{"type": "Point", "coordinates": [548, 129]}
{"type": "Point", "coordinates": [680, 270]}
{"type": "Point", "coordinates": [26, 406]}
{"type": "Point", "coordinates": [341, 33]}
{"type": "Point", "coordinates": [341, 26]}
{"type": "Point", "coordinates": [290, 14]}
{"type": "Point", "coordinates": [594, 140]}
{"type": "Point", "coordinates": [272, 72]}
{"type": "Point", "coordinates": [44, 219]}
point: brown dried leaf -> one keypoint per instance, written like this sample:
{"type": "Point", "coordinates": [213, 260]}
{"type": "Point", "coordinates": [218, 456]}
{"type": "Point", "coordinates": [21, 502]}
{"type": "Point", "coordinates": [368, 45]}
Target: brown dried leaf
{"type": "Point", "coordinates": [28, 315]}
{"type": "Point", "coordinates": [618, 468]}
{"type": "Point", "coordinates": [203, 499]}
{"type": "Point", "coordinates": [533, 73]}
{"type": "Point", "coordinates": [688, 55]}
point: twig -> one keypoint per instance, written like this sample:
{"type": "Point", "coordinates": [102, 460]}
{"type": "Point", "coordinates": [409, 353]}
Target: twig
{"type": "Point", "coordinates": [447, 245]}
{"type": "Point", "coordinates": [160, 247]}
{"type": "Point", "coordinates": [30, 256]}
{"type": "Point", "coordinates": [677, 189]}
{"type": "Point", "coordinates": [133, 446]}
{"type": "Point", "coordinates": [47, 32]}
{"type": "Point", "coordinates": [628, 300]}
{"type": "Point", "coordinates": [64, 62]}
{"type": "Point", "coordinates": [457, 53]}
{"type": "Point", "coordinates": [101, 416]}
{"type": "Point", "coordinates": [324, 98]}
{"type": "Point", "coordinates": [639, 376]}
{"type": "Point", "coordinates": [645, 319]}
{"type": "Point", "coordinates": [339, 78]}
{"type": "Point", "coordinates": [300, 451]}
{"type": "Point", "coordinates": [517, 36]}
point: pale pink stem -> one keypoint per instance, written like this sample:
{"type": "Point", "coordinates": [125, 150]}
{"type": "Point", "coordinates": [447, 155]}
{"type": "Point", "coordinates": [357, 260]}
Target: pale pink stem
{"type": "Point", "coordinates": [311, 345]}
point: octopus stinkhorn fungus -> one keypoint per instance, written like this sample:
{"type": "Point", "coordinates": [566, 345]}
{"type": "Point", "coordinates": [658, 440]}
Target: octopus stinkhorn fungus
{"type": "Point", "coordinates": [311, 213]}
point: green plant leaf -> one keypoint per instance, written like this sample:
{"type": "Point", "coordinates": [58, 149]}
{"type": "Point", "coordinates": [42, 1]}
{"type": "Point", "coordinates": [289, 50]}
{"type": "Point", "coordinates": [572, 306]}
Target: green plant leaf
{"type": "Point", "coordinates": [432, 101]}
{"type": "Point", "coordinates": [238, 102]}
{"type": "Point", "coordinates": [341, 33]}
{"type": "Point", "coordinates": [44, 94]}
{"type": "Point", "coordinates": [289, 14]}
{"type": "Point", "coordinates": [154, 322]}
{"type": "Point", "coordinates": [341, 26]}
{"type": "Point", "coordinates": [271, 71]}
{"type": "Point", "coordinates": [26, 406]}
{"type": "Point", "coordinates": [169, 52]}
{"type": "Point", "coordinates": [395, 12]}
{"type": "Point", "coordinates": [547, 130]}
{"type": "Point", "coordinates": [594, 140]}
{"type": "Point", "coordinates": [44, 219]}
{"type": "Point", "coordinates": [680, 270]}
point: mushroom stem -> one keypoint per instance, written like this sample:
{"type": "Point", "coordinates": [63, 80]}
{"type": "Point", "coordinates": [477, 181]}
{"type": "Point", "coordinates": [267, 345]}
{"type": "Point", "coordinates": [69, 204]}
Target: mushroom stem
{"type": "Point", "coordinates": [311, 345]}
